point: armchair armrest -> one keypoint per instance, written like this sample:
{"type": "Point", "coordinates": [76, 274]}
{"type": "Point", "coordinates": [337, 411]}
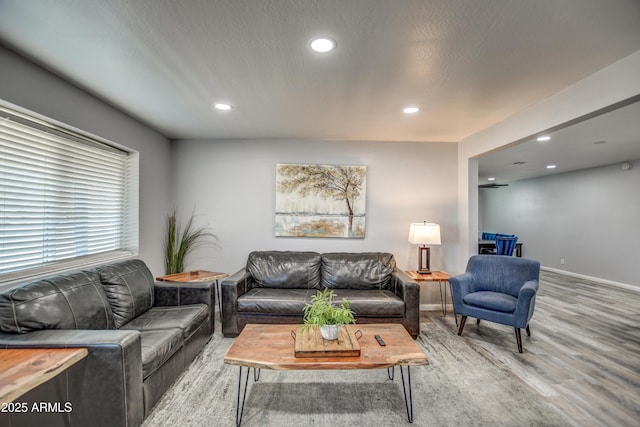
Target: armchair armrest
{"type": "Point", "coordinates": [176, 294]}
{"type": "Point", "coordinates": [232, 288]}
{"type": "Point", "coordinates": [105, 388]}
{"type": "Point", "coordinates": [526, 303]}
{"type": "Point", "coordinates": [409, 290]}
{"type": "Point", "coordinates": [461, 285]}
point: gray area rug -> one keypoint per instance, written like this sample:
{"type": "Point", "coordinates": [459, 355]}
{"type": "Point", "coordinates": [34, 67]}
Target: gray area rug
{"type": "Point", "coordinates": [460, 387]}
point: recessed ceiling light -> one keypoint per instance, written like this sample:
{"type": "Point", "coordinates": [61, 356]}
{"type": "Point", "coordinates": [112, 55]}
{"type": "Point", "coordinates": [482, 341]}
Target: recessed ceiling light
{"type": "Point", "coordinates": [544, 138]}
{"type": "Point", "coordinates": [551, 166]}
{"type": "Point", "coordinates": [491, 179]}
{"type": "Point", "coordinates": [410, 110]}
{"type": "Point", "coordinates": [322, 45]}
{"type": "Point", "coordinates": [222, 106]}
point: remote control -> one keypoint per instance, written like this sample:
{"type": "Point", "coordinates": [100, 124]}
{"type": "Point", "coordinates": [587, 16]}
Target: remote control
{"type": "Point", "coordinates": [380, 340]}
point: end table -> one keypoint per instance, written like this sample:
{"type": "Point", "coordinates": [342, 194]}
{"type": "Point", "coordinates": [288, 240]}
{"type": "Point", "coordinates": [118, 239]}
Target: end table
{"type": "Point", "coordinates": [198, 276]}
{"type": "Point", "coordinates": [442, 277]}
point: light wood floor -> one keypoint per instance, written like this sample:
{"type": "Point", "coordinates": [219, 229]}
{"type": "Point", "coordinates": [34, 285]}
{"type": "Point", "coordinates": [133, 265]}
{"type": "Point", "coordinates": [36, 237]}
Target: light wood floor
{"type": "Point", "coordinates": [583, 355]}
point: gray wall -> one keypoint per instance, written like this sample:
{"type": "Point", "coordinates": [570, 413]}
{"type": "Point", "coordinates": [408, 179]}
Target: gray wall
{"type": "Point", "coordinates": [589, 218]}
{"type": "Point", "coordinates": [31, 87]}
{"type": "Point", "coordinates": [232, 186]}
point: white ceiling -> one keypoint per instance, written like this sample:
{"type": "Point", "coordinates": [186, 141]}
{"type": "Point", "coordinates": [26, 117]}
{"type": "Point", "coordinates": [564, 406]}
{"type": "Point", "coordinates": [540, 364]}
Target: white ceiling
{"type": "Point", "coordinates": [467, 64]}
{"type": "Point", "coordinates": [612, 137]}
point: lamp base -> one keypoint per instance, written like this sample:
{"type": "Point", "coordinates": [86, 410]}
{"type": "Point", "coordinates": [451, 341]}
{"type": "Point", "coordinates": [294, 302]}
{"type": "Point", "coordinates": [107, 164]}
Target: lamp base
{"type": "Point", "coordinates": [424, 260]}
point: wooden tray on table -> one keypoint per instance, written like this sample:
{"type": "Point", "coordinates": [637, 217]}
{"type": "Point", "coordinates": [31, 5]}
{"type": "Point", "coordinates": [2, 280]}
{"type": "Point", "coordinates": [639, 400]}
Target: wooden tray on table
{"type": "Point", "coordinates": [309, 343]}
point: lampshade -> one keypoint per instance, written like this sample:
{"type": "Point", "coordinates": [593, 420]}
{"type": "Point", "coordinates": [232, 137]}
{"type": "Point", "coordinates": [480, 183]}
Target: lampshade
{"type": "Point", "coordinates": [424, 233]}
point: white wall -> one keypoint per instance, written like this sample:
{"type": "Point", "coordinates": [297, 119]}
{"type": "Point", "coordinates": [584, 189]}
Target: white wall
{"type": "Point", "coordinates": [29, 86]}
{"type": "Point", "coordinates": [608, 86]}
{"type": "Point", "coordinates": [588, 218]}
{"type": "Point", "coordinates": [232, 185]}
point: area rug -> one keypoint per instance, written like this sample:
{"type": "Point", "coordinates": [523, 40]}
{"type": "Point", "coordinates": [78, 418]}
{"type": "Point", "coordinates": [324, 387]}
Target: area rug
{"type": "Point", "coordinates": [460, 387]}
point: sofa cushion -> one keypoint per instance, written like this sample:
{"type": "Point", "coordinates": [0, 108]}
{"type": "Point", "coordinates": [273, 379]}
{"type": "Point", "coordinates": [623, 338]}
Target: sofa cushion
{"type": "Point", "coordinates": [157, 347]}
{"type": "Point", "coordinates": [129, 288]}
{"type": "Point", "coordinates": [292, 270]}
{"type": "Point", "coordinates": [372, 303]}
{"type": "Point", "coordinates": [370, 270]}
{"type": "Point", "coordinates": [187, 318]}
{"type": "Point", "coordinates": [72, 301]}
{"type": "Point", "coordinates": [494, 301]}
{"type": "Point", "coordinates": [275, 301]}
{"type": "Point", "coordinates": [290, 302]}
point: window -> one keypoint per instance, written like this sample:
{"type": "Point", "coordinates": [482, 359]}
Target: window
{"type": "Point", "coordinates": [64, 198]}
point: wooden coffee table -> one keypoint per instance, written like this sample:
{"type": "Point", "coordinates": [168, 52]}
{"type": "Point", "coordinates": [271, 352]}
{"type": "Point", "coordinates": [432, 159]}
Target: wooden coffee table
{"type": "Point", "coordinates": [272, 347]}
{"type": "Point", "coordinates": [23, 369]}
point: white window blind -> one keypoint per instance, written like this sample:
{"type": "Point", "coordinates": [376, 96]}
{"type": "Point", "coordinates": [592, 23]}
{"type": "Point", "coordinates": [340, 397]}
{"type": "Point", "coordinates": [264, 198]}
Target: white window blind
{"type": "Point", "coordinates": [62, 196]}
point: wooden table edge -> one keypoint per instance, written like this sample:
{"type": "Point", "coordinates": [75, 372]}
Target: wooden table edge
{"type": "Point", "coordinates": [192, 276]}
{"type": "Point", "coordinates": [338, 365]}
{"type": "Point", "coordinates": [330, 363]}
{"type": "Point", "coordinates": [10, 392]}
{"type": "Point", "coordinates": [435, 276]}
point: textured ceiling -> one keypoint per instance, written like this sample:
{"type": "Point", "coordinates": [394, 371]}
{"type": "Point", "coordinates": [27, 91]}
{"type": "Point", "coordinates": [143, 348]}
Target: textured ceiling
{"type": "Point", "coordinates": [467, 64]}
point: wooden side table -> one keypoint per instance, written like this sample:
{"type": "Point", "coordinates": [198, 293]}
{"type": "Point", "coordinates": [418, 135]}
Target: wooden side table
{"type": "Point", "coordinates": [442, 277]}
{"type": "Point", "coordinates": [198, 276]}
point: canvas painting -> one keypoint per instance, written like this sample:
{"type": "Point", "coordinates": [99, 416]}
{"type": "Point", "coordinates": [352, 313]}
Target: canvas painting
{"type": "Point", "coordinates": [320, 201]}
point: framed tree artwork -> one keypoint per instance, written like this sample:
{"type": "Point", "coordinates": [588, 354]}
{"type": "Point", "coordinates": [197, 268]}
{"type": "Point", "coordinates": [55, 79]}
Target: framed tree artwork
{"type": "Point", "coordinates": [320, 201]}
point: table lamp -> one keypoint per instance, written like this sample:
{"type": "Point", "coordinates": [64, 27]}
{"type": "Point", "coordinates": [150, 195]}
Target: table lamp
{"type": "Point", "coordinates": [424, 233]}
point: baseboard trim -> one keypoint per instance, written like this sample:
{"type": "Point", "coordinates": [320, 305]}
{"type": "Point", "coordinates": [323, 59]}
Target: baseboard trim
{"type": "Point", "coordinates": [436, 307]}
{"type": "Point", "coordinates": [593, 279]}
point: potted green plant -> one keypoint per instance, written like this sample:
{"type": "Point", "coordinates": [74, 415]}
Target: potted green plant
{"type": "Point", "coordinates": [322, 313]}
{"type": "Point", "coordinates": [180, 243]}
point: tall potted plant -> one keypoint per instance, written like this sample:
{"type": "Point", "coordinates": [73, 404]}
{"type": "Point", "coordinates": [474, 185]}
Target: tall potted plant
{"type": "Point", "coordinates": [179, 243]}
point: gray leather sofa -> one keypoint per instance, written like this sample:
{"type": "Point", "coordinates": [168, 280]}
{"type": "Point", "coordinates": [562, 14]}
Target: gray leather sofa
{"type": "Point", "coordinates": [140, 335]}
{"type": "Point", "coordinates": [275, 286]}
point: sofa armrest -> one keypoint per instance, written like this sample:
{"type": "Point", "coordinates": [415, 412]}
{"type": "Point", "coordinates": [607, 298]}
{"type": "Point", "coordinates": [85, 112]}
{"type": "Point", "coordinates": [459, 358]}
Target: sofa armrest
{"type": "Point", "coordinates": [105, 388]}
{"type": "Point", "coordinates": [409, 291]}
{"type": "Point", "coordinates": [176, 294]}
{"type": "Point", "coordinates": [232, 288]}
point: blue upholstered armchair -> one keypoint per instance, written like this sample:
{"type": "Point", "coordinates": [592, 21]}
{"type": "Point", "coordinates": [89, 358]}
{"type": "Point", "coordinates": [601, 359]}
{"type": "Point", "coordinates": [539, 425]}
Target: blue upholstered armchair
{"type": "Point", "coordinates": [499, 289]}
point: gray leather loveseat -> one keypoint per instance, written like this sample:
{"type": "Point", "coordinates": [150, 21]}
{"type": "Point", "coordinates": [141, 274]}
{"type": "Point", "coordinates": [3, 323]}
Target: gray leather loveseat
{"type": "Point", "coordinates": [275, 286]}
{"type": "Point", "coordinates": [140, 336]}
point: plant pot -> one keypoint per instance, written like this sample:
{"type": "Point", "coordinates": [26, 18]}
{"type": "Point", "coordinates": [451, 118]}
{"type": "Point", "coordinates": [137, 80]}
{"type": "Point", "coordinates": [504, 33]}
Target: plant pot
{"type": "Point", "coordinates": [330, 332]}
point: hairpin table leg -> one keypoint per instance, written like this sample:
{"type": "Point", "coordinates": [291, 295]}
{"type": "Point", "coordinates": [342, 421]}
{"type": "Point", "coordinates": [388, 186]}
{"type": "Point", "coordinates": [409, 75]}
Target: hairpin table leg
{"type": "Point", "coordinates": [239, 406]}
{"type": "Point", "coordinates": [406, 384]}
{"type": "Point", "coordinates": [218, 295]}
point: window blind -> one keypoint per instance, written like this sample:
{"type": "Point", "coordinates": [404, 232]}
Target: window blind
{"type": "Point", "coordinates": [61, 197]}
